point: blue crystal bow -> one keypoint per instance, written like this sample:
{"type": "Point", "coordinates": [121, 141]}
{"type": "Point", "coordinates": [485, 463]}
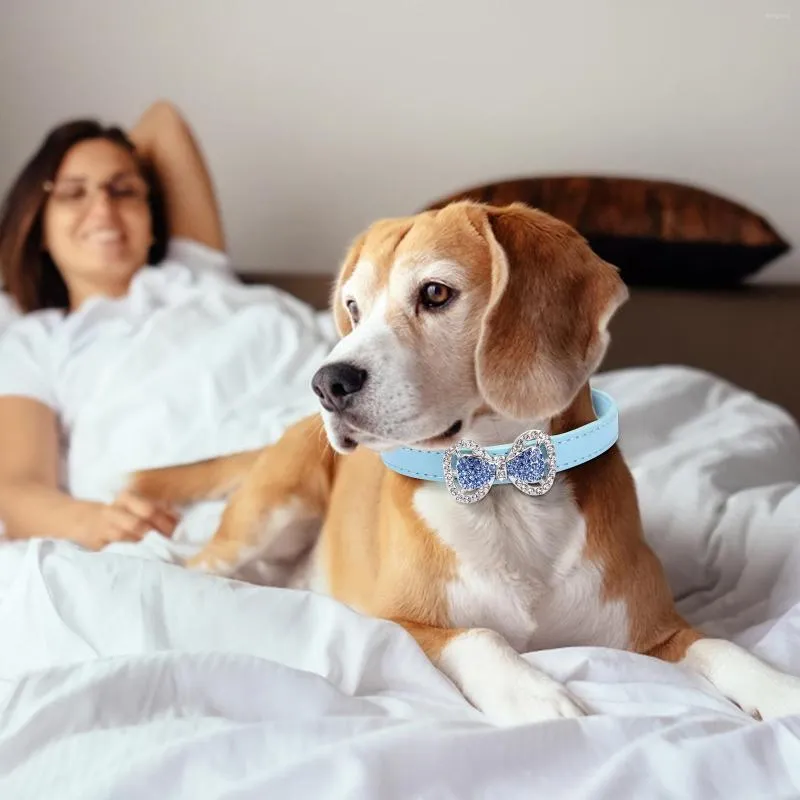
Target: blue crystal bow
{"type": "Point", "coordinates": [530, 465]}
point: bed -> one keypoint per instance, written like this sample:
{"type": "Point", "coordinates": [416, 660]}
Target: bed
{"type": "Point", "coordinates": [123, 675]}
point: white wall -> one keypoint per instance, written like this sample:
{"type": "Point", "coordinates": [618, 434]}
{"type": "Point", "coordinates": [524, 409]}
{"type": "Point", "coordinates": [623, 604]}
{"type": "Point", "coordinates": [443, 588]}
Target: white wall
{"type": "Point", "coordinates": [319, 116]}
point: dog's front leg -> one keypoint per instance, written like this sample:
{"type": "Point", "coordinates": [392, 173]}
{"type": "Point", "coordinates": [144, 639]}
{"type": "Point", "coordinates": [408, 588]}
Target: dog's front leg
{"type": "Point", "coordinates": [274, 517]}
{"type": "Point", "coordinates": [493, 677]}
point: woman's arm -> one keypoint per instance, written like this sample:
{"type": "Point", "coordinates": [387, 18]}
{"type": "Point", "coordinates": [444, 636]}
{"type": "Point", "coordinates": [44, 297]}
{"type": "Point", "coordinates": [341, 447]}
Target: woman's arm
{"type": "Point", "coordinates": [164, 139]}
{"type": "Point", "coordinates": [31, 505]}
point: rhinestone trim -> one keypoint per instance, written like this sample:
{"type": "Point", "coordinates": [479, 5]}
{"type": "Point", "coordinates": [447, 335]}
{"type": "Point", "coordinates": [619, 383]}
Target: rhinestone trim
{"type": "Point", "coordinates": [467, 448]}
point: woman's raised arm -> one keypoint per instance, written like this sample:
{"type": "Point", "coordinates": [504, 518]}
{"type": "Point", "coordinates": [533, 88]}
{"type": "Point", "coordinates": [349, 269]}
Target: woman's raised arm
{"type": "Point", "coordinates": [164, 139]}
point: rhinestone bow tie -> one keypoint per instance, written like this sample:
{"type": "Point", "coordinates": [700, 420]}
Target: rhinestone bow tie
{"type": "Point", "coordinates": [530, 465]}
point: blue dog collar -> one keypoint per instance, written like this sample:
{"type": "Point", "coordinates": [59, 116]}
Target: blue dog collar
{"type": "Point", "coordinates": [530, 463]}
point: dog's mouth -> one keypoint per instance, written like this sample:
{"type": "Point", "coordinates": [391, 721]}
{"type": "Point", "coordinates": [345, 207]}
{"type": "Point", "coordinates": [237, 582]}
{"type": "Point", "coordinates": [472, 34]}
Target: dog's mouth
{"type": "Point", "coordinates": [443, 438]}
{"type": "Point", "coordinates": [348, 437]}
{"type": "Point", "coordinates": [345, 437]}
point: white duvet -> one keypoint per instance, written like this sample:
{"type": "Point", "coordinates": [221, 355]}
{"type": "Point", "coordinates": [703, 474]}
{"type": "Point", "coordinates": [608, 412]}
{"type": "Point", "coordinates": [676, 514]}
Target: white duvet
{"type": "Point", "coordinates": [122, 675]}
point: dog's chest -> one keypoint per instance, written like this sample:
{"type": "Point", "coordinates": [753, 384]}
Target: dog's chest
{"type": "Point", "coordinates": [522, 570]}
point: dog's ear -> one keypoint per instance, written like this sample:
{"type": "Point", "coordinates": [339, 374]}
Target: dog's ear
{"type": "Point", "coordinates": [340, 316]}
{"type": "Point", "coordinates": [545, 328]}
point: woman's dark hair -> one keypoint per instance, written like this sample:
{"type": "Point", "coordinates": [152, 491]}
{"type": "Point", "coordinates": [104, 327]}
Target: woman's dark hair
{"type": "Point", "coordinates": [28, 273]}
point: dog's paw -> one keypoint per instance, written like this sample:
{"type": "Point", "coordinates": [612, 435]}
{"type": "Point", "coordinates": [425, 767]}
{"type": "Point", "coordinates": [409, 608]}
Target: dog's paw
{"type": "Point", "coordinates": [201, 563]}
{"type": "Point", "coordinates": [780, 697]}
{"type": "Point", "coordinates": [755, 686]}
{"type": "Point", "coordinates": [211, 560]}
{"type": "Point", "coordinates": [503, 685]}
{"type": "Point", "coordinates": [535, 700]}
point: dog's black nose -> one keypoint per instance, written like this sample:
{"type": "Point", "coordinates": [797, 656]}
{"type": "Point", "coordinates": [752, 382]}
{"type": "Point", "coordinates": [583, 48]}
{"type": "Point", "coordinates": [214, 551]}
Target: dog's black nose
{"type": "Point", "coordinates": [334, 384]}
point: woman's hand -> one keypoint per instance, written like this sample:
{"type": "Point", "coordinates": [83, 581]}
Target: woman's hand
{"type": "Point", "coordinates": [127, 519]}
{"type": "Point", "coordinates": [33, 505]}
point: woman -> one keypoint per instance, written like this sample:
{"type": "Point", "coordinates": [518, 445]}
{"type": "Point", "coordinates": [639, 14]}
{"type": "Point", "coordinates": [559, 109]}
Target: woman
{"type": "Point", "coordinates": [86, 220]}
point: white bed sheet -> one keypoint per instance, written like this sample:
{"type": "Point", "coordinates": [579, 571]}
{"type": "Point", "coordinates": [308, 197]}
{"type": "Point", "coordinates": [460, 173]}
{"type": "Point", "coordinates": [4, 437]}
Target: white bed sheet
{"type": "Point", "coordinates": [8, 310]}
{"type": "Point", "coordinates": [123, 675]}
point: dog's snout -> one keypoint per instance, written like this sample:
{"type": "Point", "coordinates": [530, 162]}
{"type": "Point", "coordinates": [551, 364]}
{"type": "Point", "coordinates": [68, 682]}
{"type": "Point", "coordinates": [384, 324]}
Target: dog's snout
{"type": "Point", "coordinates": [335, 384]}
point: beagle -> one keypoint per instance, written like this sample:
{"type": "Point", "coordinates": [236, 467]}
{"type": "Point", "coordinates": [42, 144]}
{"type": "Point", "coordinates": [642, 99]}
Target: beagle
{"type": "Point", "coordinates": [462, 479]}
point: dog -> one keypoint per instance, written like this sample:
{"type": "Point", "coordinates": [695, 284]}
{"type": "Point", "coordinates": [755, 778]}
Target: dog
{"type": "Point", "coordinates": [463, 330]}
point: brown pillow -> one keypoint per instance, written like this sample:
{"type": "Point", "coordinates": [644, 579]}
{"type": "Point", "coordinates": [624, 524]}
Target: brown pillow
{"type": "Point", "coordinates": [657, 233]}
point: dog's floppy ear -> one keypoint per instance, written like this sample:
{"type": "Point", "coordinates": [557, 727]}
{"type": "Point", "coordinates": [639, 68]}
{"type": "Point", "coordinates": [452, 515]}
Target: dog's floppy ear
{"type": "Point", "coordinates": [340, 316]}
{"type": "Point", "coordinates": [544, 330]}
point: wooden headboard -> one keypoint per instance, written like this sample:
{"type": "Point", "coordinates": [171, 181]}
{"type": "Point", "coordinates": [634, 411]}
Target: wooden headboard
{"type": "Point", "coordinates": [749, 335]}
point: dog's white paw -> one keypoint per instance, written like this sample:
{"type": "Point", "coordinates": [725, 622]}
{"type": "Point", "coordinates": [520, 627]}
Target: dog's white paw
{"type": "Point", "coordinates": [502, 684]}
{"type": "Point", "coordinates": [780, 697]}
{"type": "Point", "coordinates": [756, 687]}
{"type": "Point", "coordinates": [536, 699]}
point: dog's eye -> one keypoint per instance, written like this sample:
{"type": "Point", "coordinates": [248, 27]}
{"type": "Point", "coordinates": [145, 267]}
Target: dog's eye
{"type": "Point", "coordinates": [435, 295]}
{"type": "Point", "coordinates": [352, 308]}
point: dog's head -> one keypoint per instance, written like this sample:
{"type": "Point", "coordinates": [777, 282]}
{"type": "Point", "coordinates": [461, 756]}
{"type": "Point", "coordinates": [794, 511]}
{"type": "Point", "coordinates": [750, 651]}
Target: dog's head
{"type": "Point", "coordinates": [463, 322]}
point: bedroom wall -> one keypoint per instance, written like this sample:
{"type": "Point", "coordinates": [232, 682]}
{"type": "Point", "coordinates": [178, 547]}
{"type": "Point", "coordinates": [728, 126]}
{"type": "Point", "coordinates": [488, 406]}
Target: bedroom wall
{"type": "Point", "coordinates": [319, 116]}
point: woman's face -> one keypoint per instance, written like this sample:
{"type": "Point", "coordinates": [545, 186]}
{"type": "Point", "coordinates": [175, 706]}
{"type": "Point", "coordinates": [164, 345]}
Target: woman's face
{"type": "Point", "coordinates": [97, 224]}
